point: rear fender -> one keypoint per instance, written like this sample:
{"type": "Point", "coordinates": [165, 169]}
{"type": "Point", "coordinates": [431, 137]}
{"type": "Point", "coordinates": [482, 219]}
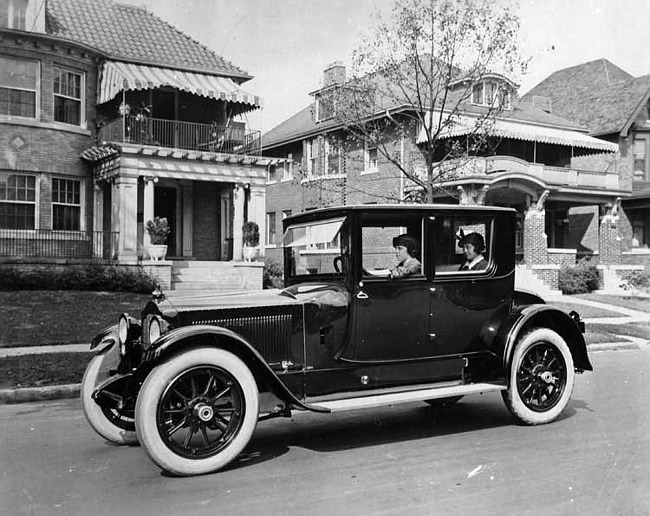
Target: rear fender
{"type": "Point", "coordinates": [542, 316]}
{"type": "Point", "coordinates": [188, 337]}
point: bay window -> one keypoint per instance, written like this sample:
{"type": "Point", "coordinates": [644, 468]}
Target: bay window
{"type": "Point", "coordinates": [68, 96]}
{"type": "Point", "coordinates": [19, 87]}
{"type": "Point", "coordinates": [17, 201]}
{"type": "Point", "coordinates": [66, 204]}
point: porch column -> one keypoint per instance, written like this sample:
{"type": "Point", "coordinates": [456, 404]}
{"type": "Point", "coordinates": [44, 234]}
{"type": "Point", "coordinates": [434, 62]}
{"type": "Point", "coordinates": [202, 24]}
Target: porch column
{"type": "Point", "coordinates": [238, 221]}
{"type": "Point", "coordinates": [98, 220]}
{"type": "Point", "coordinates": [535, 241]}
{"type": "Point", "coordinates": [127, 209]}
{"type": "Point", "coordinates": [257, 211]}
{"type": "Point", "coordinates": [147, 208]}
{"type": "Point", "coordinates": [609, 241]}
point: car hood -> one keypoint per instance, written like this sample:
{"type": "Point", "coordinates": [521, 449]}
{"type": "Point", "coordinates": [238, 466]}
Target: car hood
{"type": "Point", "coordinates": [206, 300]}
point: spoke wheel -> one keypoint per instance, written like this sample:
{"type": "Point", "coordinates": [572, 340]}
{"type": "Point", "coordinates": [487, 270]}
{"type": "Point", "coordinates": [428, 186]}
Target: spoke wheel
{"type": "Point", "coordinates": [541, 378]}
{"type": "Point", "coordinates": [114, 418]}
{"type": "Point", "coordinates": [197, 411]}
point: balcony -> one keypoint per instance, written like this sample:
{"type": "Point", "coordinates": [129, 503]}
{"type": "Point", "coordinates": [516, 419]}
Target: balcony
{"type": "Point", "coordinates": [494, 166]}
{"type": "Point", "coordinates": [46, 243]}
{"type": "Point", "coordinates": [231, 139]}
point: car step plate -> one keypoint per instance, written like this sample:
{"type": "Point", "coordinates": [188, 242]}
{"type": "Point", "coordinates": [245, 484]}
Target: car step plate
{"type": "Point", "coordinates": [395, 398]}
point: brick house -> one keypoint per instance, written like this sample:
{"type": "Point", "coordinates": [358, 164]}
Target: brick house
{"type": "Point", "coordinates": [110, 116]}
{"type": "Point", "coordinates": [564, 212]}
{"type": "Point", "coordinates": [615, 107]}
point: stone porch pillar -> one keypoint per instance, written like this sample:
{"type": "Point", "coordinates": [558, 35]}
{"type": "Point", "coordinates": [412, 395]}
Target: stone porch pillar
{"type": "Point", "coordinates": [127, 208]}
{"type": "Point", "coordinates": [147, 208]}
{"type": "Point", "coordinates": [239, 198]}
{"type": "Point", "coordinates": [257, 212]}
{"type": "Point", "coordinates": [535, 241]}
{"type": "Point", "coordinates": [609, 241]}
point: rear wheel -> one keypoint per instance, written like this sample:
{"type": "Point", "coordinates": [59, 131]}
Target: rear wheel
{"type": "Point", "coordinates": [196, 412]}
{"type": "Point", "coordinates": [541, 377]}
{"type": "Point", "coordinates": [114, 419]}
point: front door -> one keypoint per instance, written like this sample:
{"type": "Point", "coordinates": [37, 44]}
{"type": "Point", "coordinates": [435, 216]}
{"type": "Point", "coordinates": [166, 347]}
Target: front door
{"type": "Point", "coordinates": [165, 206]}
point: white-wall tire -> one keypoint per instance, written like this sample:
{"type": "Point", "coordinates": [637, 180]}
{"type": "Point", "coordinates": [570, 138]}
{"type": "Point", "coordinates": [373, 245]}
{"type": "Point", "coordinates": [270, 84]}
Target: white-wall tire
{"type": "Point", "coordinates": [541, 377]}
{"type": "Point", "coordinates": [183, 423]}
{"type": "Point", "coordinates": [110, 424]}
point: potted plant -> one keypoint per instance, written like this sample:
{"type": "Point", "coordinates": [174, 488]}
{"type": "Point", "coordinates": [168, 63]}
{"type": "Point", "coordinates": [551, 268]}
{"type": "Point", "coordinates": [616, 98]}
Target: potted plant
{"type": "Point", "coordinates": [251, 240]}
{"type": "Point", "coordinates": [158, 230]}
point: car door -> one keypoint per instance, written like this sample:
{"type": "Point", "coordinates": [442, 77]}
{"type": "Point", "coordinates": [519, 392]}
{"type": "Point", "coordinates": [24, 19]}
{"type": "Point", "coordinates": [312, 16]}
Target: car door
{"type": "Point", "coordinates": [467, 305]}
{"type": "Point", "coordinates": [390, 316]}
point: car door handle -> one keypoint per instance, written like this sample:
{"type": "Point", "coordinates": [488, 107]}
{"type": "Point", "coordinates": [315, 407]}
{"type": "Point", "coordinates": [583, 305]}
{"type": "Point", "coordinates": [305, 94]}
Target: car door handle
{"type": "Point", "coordinates": [362, 295]}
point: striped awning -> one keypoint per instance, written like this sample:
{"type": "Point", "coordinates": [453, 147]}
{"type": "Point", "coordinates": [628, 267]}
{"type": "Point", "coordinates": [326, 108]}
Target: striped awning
{"type": "Point", "coordinates": [522, 131]}
{"type": "Point", "coordinates": [117, 76]}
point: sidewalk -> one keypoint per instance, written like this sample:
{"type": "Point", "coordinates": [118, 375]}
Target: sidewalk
{"type": "Point", "coordinates": [23, 395]}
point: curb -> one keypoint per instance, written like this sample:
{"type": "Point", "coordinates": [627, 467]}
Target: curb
{"type": "Point", "coordinates": [51, 392]}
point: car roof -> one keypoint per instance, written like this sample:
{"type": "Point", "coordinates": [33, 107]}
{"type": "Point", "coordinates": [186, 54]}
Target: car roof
{"type": "Point", "coordinates": [338, 210]}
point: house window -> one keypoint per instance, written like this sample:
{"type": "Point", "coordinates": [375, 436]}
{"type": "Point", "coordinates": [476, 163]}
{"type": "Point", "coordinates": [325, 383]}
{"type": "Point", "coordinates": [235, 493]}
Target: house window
{"type": "Point", "coordinates": [66, 204]}
{"type": "Point", "coordinates": [334, 156]}
{"type": "Point", "coordinates": [370, 158]}
{"type": "Point", "coordinates": [12, 14]}
{"type": "Point", "coordinates": [325, 108]}
{"type": "Point", "coordinates": [68, 90]}
{"type": "Point", "coordinates": [640, 159]}
{"type": "Point", "coordinates": [312, 157]}
{"type": "Point", "coordinates": [272, 176]}
{"type": "Point", "coordinates": [491, 94]}
{"type": "Point", "coordinates": [270, 229]}
{"type": "Point", "coordinates": [287, 168]}
{"type": "Point", "coordinates": [19, 85]}
{"type": "Point", "coordinates": [17, 201]}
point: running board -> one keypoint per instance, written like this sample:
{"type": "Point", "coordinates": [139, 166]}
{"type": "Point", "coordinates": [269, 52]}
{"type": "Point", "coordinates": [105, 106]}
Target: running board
{"type": "Point", "coordinates": [395, 398]}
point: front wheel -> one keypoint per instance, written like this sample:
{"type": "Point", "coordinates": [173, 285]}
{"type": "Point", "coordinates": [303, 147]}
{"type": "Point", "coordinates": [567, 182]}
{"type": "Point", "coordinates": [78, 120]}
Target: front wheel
{"type": "Point", "coordinates": [541, 377]}
{"type": "Point", "coordinates": [196, 412]}
{"type": "Point", "coordinates": [114, 420]}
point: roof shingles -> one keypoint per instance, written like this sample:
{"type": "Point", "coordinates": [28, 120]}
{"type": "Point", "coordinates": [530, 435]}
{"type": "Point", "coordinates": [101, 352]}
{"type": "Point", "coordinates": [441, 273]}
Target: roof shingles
{"type": "Point", "coordinates": [132, 33]}
{"type": "Point", "coordinates": [597, 94]}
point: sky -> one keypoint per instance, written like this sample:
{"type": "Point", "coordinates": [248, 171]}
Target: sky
{"type": "Point", "coordinates": [286, 44]}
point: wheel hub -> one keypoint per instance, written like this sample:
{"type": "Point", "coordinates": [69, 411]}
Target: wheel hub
{"type": "Point", "coordinates": [547, 377]}
{"type": "Point", "coordinates": [203, 412]}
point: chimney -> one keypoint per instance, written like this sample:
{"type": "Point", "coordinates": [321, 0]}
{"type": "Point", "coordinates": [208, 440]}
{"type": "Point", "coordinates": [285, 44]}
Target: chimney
{"type": "Point", "coordinates": [543, 103]}
{"type": "Point", "coordinates": [334, 74]}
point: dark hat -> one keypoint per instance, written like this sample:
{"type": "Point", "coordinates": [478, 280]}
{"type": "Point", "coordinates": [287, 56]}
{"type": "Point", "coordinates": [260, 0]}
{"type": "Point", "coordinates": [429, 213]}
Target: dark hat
{"type": "Point", "coordinates": [475, 239]}
{"type": "Point", "coordinates": [408, 241]}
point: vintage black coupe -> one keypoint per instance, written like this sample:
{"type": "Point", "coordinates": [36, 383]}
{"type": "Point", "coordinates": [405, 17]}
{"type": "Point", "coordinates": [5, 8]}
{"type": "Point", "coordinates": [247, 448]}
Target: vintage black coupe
{"type": "Point", "coordinates": [382, 305]}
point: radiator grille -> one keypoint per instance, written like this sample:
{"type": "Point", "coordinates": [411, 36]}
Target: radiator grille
{"type": "Point", "coordinates": [269, 334]}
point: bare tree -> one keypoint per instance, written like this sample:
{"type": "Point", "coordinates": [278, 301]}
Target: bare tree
{"type": "Point", "coordinates": [415, 74]}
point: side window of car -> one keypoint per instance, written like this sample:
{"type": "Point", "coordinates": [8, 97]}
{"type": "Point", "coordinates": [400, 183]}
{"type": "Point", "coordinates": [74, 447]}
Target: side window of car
{"type": "Point", "coordinates": [391, 248]}
{"type": "Point", "coordinates": [462, 244]}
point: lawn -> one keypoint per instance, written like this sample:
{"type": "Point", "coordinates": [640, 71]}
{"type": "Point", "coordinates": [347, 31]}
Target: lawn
{"type": "Point", "coordinates": [42, 369]}
{"type": "Point", "coordinates": [45, 317]}
{"type": "Point", "coordinates": [585, 311]}
{"type": "Point", "coordinates": [635, 303]}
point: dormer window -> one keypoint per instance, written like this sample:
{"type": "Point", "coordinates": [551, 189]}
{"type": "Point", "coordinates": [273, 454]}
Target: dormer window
{"type": "Point", "coordinates": [13, 14]}
{"type": "Point", "coordinates": [324, 108]}
{"type": "Point", "coordinates": [491, 94]}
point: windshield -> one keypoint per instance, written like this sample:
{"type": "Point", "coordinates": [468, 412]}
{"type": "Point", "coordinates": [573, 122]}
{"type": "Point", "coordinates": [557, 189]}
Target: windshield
{"type": "Point", "coordinates": [319, 247]}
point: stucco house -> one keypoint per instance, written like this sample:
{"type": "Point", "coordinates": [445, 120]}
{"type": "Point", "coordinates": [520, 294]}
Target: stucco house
{"type": "Point", "coordinates": [109, 116]}
{"type": "Point", "coordinates": [564, 212]}
{"type": "Point", "coordinates": [614, 106]}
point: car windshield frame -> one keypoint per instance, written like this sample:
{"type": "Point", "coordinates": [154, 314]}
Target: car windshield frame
{"type": "Point", "coordinates": [311, 248]}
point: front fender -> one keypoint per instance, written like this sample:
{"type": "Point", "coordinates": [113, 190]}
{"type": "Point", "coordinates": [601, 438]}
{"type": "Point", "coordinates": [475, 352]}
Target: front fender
{"type": "Point", "coordinates": [105, 338]}
{"type": "Point", "coordinates": [524, 318]}
{"type": "Point", "coordinates": [188, 337]}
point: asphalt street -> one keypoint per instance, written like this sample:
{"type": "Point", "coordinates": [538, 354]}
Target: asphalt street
{"type": "Point", "coordinates": [395, 460]}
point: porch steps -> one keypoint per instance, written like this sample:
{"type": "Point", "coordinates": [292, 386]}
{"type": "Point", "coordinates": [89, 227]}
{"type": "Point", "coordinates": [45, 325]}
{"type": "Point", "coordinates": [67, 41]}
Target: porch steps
{"type": "Point", "coordinates": [525, 279]}
{"type": "Point", "coordinates": [205, 275]}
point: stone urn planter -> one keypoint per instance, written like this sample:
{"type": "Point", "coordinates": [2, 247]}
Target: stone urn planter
{"type": "Point", "coordinates": [251, 241]}
{"type": "Point", "coordinates": [158, 230]}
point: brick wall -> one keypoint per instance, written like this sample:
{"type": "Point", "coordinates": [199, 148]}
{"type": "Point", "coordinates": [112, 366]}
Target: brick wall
{"type": "Point", "coordinates": [609, 244]}
{"type": "Point", "coordinates": [535, 244]}
{"type": "Point", "coordinates": [41, 146]}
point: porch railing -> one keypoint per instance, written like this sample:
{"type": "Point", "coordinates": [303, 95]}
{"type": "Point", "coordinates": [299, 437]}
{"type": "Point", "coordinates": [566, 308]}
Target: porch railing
{"type": "Point", "coordinates": [45, 243]}
{"type": "Point", "coordinates": [233, 139]}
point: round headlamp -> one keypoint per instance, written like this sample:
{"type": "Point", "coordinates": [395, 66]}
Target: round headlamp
{"type": "Point", "coordinates": [154, 329]}
{"type": "Point", "coordinates": [123, 329]}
